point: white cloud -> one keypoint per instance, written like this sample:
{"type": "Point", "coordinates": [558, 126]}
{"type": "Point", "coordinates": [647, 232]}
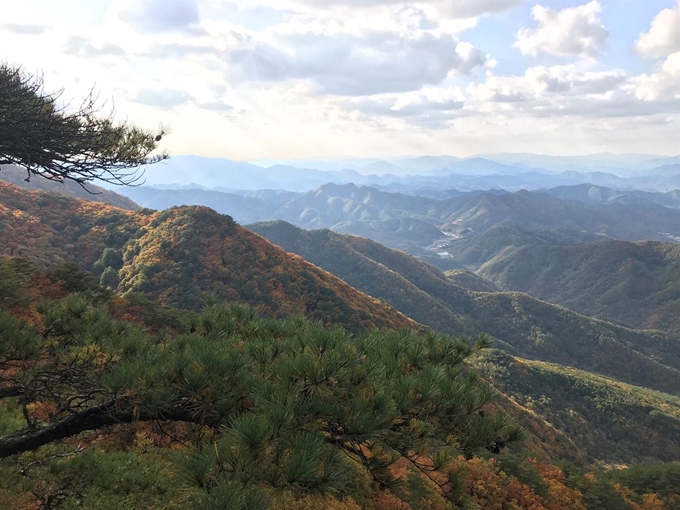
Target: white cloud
{"type": "Point", "coordinates": [430, 108]}
{"type": "Point", "coordinates": [575, 31]}
{"type": "Point", "coordinates": [338, 61]}
{"type": "Point", "coordinates": [451, 9]}
{"type": "Point", "coordinates": [575, 91]}
{"type": "Point", "coordinates": [664, 84]}
{"type": "Point", "coordinates": [474, 8]}
{"type": "Point", "coordinates": [81, 47]}
{"type": "Point", "coordinates": [24, 29]}
{"type": "Point", "coordinates": [157, 16]}
{"type": "Point", "coordinates": [663, 37]}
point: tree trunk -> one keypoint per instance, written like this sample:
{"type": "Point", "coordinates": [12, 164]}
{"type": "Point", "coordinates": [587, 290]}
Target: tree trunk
{"type": "Point", "coordinates": [90, 419]}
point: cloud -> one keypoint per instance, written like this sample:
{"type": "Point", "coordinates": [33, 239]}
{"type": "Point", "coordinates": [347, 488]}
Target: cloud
{"type": "Point", "coordinates": [215, 106]}
{"type": "Point", "coordinates": [570, 90]}
{"type": "Point", "coordinates": [81, 47]}
{"type": "Point", "coordinates": [24, 29]}
{"type": "Point", "coordinates": [447, 8]}
{"type": "Point", "coordinates": [663, 37]}
{"type": "Point", "coordinates": [158, 16]}
{"type": "Point", "coordinates": [339, 62]}
{"type": "Point", "coordinates": [575, 31]}
{"type": "Point", "coordinates": [167, 99]}
{"type": "Point", "coordinates": [664, 84]}
{"type": "Point", "coordinates": [474, 8]}
{"type": "Point", "coordinates": [164, 98]}
{"type": "Point", "coordinates": [430, 108]}
{"type": "Point", "coordinates": [179, 50]}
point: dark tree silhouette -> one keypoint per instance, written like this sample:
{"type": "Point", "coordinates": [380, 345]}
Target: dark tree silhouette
{"type": "Point", "coordinates": [44, 135]}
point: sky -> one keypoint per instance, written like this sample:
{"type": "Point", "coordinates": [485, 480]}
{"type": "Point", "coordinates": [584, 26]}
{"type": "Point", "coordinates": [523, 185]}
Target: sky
{"type": "Point", "coordinates": [291, 79]}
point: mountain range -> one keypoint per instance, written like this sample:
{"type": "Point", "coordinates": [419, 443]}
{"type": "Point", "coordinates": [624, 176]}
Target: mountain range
{"type": "Point", "coordinates": [526, 326]}
{"type": "Point", "coordinates": [431, 227]}
{"type": "Point", "coordinates": [477, 173]}
{"type": "Point", "coordinates": [187, 256]}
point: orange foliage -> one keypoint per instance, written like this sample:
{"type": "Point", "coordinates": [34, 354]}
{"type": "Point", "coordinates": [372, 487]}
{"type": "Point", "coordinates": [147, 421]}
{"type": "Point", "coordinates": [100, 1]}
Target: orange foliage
{"type": "Point", "coordinates": [175, 256]}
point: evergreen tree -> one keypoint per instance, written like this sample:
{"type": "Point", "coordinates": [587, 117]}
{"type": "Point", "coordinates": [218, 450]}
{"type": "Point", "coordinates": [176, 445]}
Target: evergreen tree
{"type": "Point", "coordinates": [112, 258]}
{"type": "Point", "coordinates": [293, 402]}
{"type": "Point", "coordinates": [40, 134]}
{"type": "Point", "coordinates": [109, 278]}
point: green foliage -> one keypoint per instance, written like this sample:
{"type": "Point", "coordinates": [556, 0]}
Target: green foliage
{"type": "Point", "coordinates": [109, 278]}
{"type": "Point", "coordinates": [112, 258]}
{"type": "Point", "coordinates": [661, 479]}
{"type": "Point", "coordinates": [292, 401]}
{"type": "Point", "coordinates": [283, 411]}
{"type": "Point", "coordinates": [14, 275]}
{"type": "Point", "coordinates": [70, 277]}
{"type": "Point", "coordinates": [70, 478]}
{"type": "Point", "coordinates": [609, 420]}
{"type": "Point", "coordinates": [98, 268]}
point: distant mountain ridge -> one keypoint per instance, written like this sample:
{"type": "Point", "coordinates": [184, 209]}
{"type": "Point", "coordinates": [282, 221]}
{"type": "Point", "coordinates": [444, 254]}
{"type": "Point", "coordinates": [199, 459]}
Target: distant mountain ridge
{"type": "Point", "coordinates": [601, 195]}
{"type": "Point", "coordinates": [444, 172]}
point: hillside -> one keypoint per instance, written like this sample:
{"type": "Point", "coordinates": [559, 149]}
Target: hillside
{"type": "Point", "coordinates": [524, 325]}
{"type": "Point", "coordinates": [475, 249]}
{"type": "Point", "coordinates": [179, 255]}
{"type": "Point", "coordinates": [535, 211]}
{"type": "Point", "coordinates": [354, 260]}
{"type": "Point", "coordinates": [273, 434]}
{"type": "Point", "coordinates": [17, 177]}
{"type": "Point", "coordinates": [612, 421]}
{"type": "Point", "coordinates": [602, 195]}
{"type": "Point", "coordinates": [637, 284]}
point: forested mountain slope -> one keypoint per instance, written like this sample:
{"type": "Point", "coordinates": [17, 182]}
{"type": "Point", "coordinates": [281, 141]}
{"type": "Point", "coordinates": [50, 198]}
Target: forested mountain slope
{"type": "Point", "coordinates": [178, 255]}
{"type": "Point", "coordinates": [526, 326]}
{"type": "Point", "coordinates": [602, 195]}
{"type": "Point", "coordinates": [606, 419]}
{"type": "Point", "coordinates": [535, 210]}
{"type": "Point", "coordinates": [632, 283]}
{"type": "Point", "coordinates": [477, 248]}
{"type": "Point", "coordinates": [17, 177]}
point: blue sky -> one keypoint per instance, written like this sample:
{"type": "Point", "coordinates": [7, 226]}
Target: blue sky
{"type": "Point", "coordinates": [367, 78]}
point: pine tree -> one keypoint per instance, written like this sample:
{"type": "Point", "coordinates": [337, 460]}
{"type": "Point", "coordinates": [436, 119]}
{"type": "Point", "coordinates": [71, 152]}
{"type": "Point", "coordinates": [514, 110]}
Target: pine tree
{"type": "Point", "coordinates": [41, 135]}
{"type": "Point", "coordinates": [292, 402]}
